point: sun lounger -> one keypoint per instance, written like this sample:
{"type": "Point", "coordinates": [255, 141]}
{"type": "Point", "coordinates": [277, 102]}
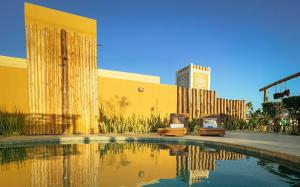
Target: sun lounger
{"type": "Point", "coordinates": [210, 128]}
{"type": "Point", "coordinates": [178, 126]}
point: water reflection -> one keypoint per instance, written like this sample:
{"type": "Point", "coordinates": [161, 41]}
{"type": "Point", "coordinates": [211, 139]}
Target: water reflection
{"type": "Point", "coordinates": [128, 164]}
{"type": "Point", "coordinates": [193, 163]}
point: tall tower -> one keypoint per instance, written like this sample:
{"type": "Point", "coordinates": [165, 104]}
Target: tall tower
{"type": "Point", "coordinates": [193, 76]}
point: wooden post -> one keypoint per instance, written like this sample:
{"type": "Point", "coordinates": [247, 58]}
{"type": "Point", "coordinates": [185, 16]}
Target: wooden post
{"type": "Point", "coordinates": [190, 104]}
{"type": "Point", "coordinates": [179, 96]}
{"type": "Point", "coordinates": [265, 95]}
{"type": "Point", "coordinates": [64, 80]}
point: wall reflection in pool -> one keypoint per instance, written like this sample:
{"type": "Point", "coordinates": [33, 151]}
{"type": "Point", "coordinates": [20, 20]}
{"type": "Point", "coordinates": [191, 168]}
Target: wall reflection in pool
{"type": "Point", "coordinates": [137, 164]}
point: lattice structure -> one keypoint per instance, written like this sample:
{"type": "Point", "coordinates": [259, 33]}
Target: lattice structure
{"type": "Point", "coordinates": [193, 76]}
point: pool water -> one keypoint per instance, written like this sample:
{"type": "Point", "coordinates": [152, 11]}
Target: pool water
{"type": "Point", "coordinates": [138, 164]}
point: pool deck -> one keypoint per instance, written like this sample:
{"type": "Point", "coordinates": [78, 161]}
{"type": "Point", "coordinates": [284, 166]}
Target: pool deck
{"type": "Point", "coordinates": [264, 144]}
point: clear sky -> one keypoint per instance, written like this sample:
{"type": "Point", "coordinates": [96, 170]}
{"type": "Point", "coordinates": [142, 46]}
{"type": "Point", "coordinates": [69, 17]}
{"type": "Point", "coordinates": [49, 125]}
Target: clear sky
{"type": "Point", "coordinates": [247, 43]}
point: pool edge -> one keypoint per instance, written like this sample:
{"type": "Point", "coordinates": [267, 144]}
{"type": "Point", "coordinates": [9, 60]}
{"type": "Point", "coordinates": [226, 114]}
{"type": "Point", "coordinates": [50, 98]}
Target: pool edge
{"type": "Point", "coordinates": [57, 139]}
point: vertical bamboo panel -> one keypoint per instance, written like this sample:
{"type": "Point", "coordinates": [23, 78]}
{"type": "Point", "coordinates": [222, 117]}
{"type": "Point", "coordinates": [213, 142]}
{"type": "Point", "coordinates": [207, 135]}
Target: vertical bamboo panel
{"type": "Point", "coordinates": [240, 109]}
{"type": "Point", "coordinates": [236, 109]}
{"type": "Point", "coordinates": [194, 109]}
{"type": "Point", "coordinates": [179, 100]}
{"type": "Point", "coordinates": [218, 106]}
{"type": "Point", "coordinates": [62, 80]}
{"type": "Point", "coordinates": [215, 103]}
{"type": "Point", "coordinates": [223, 106]}
{"type": "Point", "coordinates": [208, 101]}
{"type": "Point", "coordinates": [244, 109]}
{"type": "Point", "coordinates": [190, 104]}
{"type": "Point", "coordinates": [202, 102]}
{"type": "Point", "coordinates": [230, 107]}
{"type": "Point", "coordinates": [184, 101]}
{"type": "Point", "coordinates": [198, 102]}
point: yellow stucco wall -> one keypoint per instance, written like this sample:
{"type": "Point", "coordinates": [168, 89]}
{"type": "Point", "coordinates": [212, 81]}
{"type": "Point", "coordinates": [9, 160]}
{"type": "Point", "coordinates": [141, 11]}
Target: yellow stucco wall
{"type": "Point", "coordinates": [118, 95]}
{"type": "Point", "coordinates": [128, 76]}
{"type": "Point", "coordinates": [46, 16]}
{"type": "Point", "coordinates": [123, 97]}
{"type": "Point", "coordinates": [13, 84]}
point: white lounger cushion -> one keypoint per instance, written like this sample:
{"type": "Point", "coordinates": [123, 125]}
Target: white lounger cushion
{"type": "Point", "coordinates": [177, 125]}
{"type": "Point", "coordinates": [210, 123]}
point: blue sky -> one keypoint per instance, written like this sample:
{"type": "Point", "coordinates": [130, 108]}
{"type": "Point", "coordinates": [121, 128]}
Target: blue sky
{"type": "Point", "coordinates": [247, 43]}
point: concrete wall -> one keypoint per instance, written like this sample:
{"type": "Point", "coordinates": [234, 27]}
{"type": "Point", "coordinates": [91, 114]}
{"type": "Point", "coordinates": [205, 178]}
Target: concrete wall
{"type": "Point", "coordinates": [115, 94]}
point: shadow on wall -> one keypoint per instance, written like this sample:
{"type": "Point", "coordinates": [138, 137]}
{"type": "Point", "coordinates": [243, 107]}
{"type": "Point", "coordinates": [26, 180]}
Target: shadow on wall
{"type": "Point", "coordinates": [116, 104]}
{"type": "Point", "coordinates": [40, 124]}
{"type": "Point", "coordinates": [120, 105]}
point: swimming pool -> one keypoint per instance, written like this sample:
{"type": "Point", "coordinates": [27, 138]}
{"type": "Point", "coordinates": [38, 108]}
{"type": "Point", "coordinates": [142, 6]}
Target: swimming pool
{"type": "Point", "coordinates": [138, 164]}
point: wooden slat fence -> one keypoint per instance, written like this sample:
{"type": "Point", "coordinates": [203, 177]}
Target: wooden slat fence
{"type": "Point", "coordinates": [198, 102]}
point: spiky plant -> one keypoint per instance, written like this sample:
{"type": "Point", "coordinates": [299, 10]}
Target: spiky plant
{"type": "Point", "coordinates": [12, 123]}
{"type": "Point", "coordinates": [116, 123]}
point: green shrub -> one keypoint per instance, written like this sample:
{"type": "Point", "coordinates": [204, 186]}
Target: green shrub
{"type": "Point", "coordinates": [195, 124]}
{"type": "Point", "coordinates": [258, 120]}
{"type": "Point", "coordinates": [292, 105]}
{"type": "Point", "coordinates": [12, 123]}
{"type": "Point", "coordinates": [275, 111]}
{"type": "Point", "coordinates": [12, 154]}
{"type": "Point", "coordinates": [116, 123]}
{"type": "Point", "coordinates": [230, 123]}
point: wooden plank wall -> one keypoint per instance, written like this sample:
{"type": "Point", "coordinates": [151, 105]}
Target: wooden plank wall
{"type": "Point", "coordinates": [200, 102]}
{"type": "Point", "coordinates": [62, 82]}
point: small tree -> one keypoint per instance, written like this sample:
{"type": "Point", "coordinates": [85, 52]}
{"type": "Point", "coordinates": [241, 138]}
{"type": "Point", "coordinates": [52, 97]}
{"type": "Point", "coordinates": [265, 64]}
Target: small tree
{"type": "Point", "coordinates": [275, 110]}
{"type": "Point", "coordinates": [292, 104]}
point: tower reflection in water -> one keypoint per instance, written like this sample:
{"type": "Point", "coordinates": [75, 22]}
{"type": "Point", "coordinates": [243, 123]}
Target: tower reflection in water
{"type": "Point", "coordinates": [193, 163]}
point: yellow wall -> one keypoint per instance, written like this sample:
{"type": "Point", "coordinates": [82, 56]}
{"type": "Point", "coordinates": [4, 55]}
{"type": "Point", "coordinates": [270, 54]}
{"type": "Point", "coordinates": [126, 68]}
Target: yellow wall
{"type": "Point", "coordinates": [128, 76]}
{"type": "Point", "coordinates": [13, 84]}
{"type": "Point", "coordinates": [156, 164]}
{"type": "Point", "coordinates": [42, 15]}
{"type": "Point", "coordinates": [123, 97]}
{"type": "Point", "coordinates": [14, 174]}
{"type": "Point", "coordinates": [117, 95]}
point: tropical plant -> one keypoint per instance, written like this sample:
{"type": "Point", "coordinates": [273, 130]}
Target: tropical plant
{"type": "Point", "coordinates": [230, 123]}
{"type": "Point", "coordinates": [275, 111]}
{"type": "Point", "coordinates": [292, 105]}
{"type": "Point", "coordinates": [194, 124]}
{"type": "Point", "coordinates": [12, 123]}
{"type": "Point", "coordinates": [258, 120]}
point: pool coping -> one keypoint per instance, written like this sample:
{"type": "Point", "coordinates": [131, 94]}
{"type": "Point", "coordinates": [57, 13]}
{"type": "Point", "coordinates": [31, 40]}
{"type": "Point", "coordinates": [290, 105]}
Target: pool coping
{"type": "Point", "coordinates": [277, 156]}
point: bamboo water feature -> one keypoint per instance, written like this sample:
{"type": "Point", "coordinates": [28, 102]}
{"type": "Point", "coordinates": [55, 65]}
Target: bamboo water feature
{"type": "Point", "coordinates": [62, 76]}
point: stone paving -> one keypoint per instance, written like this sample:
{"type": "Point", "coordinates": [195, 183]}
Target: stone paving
{"type": "Point", "coordinates": [279, 146]}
